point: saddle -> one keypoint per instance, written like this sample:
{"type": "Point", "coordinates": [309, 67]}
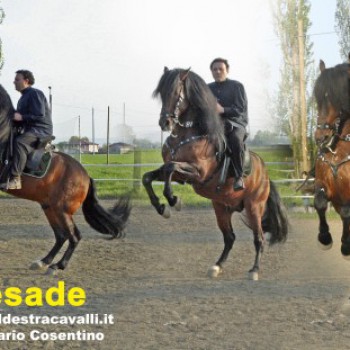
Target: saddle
{"type": "Point", "coordinates": [39, 160]}
{"type": "Point", "coordinates": [37, 163]}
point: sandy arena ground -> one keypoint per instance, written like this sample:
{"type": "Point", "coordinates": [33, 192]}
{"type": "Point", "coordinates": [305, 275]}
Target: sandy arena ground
{"type": "Point", "coordinates": [154, 283]}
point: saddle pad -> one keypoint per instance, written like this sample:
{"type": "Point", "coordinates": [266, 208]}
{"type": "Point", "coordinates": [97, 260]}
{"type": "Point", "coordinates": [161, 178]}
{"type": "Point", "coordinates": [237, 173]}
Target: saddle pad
{"type": "Point", "coordinates": [41, 168]}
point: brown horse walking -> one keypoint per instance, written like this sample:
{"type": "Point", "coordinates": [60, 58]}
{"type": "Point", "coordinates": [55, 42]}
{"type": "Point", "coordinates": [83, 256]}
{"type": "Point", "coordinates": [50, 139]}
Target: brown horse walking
{"type": "Point", "coordinates": [193, 153]}
{"type": "Point", "coordinates": [332, 171]}
{"type": "Point", "coordinates": [60, 192]}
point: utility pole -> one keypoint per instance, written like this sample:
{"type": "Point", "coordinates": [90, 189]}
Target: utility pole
{"type": "Point", "coordinates": [303, 111]}
{"type": "Point", "coordinates": [50, 100]}
{"type": "Point", "coordinates": [93, 129]}
{"type": "Point", "coordinates": [108, 135]}
{"type": "Point", "coordinates": [124, 126]}
{"type": "Point", "coordinates": [79, 139]}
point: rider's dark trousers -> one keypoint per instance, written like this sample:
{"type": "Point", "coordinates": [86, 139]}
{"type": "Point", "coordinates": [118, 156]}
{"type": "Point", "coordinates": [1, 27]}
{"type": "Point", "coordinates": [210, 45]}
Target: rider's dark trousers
{"type": "Point", "coordinates": [235, 139]}
{"type": "Point", "coordinates": [22, 146]}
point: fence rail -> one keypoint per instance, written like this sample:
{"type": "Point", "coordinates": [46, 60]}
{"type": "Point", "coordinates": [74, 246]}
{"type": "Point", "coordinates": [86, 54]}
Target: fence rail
{"type": "Point", "coordinates": [137, 181]}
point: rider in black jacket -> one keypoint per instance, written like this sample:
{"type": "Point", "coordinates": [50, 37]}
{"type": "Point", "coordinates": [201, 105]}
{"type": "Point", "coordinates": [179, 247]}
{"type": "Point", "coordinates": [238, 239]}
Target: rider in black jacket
{"type": "Point", "coordinates": [34, 116]}
{"type": "Point", "coordinates": [232, 105]}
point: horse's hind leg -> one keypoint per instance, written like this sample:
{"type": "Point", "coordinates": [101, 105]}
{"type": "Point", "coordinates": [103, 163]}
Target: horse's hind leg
{"type": "Point", "coordinates": [223, 217]}
{"type": "Point", "coordinates": [64, 228]}
{"type": "Point", "coordinates": [321, 203]}
{"type": "Point", "coordinates": [254, 214]}
{"type": "Point", "coordinates": [74, 239]}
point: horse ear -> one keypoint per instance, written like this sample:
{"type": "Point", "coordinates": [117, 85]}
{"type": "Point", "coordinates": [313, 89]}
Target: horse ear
{"type": "Point", "coordinates": [322, 66]}
{"type": "Point", "coordinates": [166, 69]}
{"type": "Point", "coordinates": [184, 74]}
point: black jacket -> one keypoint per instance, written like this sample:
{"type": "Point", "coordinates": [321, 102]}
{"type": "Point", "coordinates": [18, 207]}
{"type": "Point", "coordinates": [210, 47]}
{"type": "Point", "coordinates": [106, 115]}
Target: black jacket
{"type": "Point", "coordinates": [35, 112]}
{"type": "Point", "coordinates": [232, 97]}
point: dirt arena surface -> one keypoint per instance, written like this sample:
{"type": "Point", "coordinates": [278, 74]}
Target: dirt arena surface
{"type": "Point", "coordinates": [154, 284]}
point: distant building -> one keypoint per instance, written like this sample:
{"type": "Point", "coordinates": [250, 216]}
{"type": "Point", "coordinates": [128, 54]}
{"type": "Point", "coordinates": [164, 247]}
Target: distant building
{"type": "Point", "coordinates": [121, 148]}
{"type": "Point", "coordinates": [83, 147]}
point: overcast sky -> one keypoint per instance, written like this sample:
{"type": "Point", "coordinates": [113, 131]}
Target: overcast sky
{"type": "Point", "coordinates": [99, 53]}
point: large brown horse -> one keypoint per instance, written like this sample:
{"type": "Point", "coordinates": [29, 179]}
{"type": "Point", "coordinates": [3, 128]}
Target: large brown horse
{"type": "Point", "coordinates": [192, 154]}
{"type": "Point", "coordinates": [332, 171]}
{"type": "Point", "coordinates": [60, 192]}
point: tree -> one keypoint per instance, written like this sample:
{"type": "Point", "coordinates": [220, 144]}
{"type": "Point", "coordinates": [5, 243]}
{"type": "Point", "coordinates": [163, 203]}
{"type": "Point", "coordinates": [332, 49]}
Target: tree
{"type": "Point", "coordinates": [342, 27]}
{"type": "Point", "coordinates": [124, 133]}
{"type": "Point", "coordinates": [2, 16]}
{"type": "Point", "coordinates": [265, 138]}
{"type": "Point", "coordinates": [76, 139]}
{"type": "Point", "coordinates": [146, 144]}
{"type": "Point", "coordinates": [291, 26]}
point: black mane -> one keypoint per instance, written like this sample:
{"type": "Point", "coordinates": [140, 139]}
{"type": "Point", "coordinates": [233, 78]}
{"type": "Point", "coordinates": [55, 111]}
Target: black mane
{"type": "Point", "coordinates": [334, 85]}
{"type": "Point", "coordinates": [199, 96]}
{"type": "Point", "coordinates": [6, 113]}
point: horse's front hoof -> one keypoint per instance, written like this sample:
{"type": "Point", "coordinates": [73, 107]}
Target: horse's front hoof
{"type": "Point", "coordinates": [178, 204]}
{"type": "Point", "coordinates": [325, 241]}
{"type": "Point", "coordinates": [38, 265]}
{"type": "Point", "coordinates": [253, 275]}
{"type": "Point", "coordinates": [214, 271]}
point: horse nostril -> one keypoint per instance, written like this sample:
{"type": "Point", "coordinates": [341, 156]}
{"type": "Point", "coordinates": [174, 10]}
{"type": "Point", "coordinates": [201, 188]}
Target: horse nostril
{"type": "Point", "coordinates": [164, 124]}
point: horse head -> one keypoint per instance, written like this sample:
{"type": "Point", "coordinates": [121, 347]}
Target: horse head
{"type": "Point", "coordinates": [332, 94]}
{"type": "Point", "coordinates": [172, 91]}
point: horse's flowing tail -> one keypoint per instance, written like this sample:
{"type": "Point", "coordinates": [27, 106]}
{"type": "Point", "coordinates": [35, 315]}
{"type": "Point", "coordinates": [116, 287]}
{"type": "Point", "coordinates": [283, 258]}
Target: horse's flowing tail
{"type": "Point", "coordinates": [112, 221]}
{"type": "Point", "coordinates": [275, 219]}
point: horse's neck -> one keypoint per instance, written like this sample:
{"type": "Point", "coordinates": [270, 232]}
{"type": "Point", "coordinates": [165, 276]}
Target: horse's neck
{"type": "Point", "coordinates": [5, 129]}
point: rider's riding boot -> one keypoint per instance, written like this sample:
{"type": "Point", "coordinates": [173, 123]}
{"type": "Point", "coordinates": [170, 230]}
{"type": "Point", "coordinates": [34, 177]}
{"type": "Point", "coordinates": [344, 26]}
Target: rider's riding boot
{"type": "Point", "coordinates": [238, 184]}
{"type": "Point", "coordinates": [13, 184]}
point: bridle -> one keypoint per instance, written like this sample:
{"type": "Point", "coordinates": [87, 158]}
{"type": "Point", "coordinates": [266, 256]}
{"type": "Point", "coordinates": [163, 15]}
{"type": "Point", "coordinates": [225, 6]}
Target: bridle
{"type": "Point", "coordinates": [178, 112]}
{"type": "Point", "coordinates": [181, 106]}
{"type": "Point", "coordinates": [328, 143]}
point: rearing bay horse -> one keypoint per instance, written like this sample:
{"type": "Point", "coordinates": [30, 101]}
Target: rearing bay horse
{"type": "Point", "coordinates": [191, 154]}
{"type": "Point", "coordinates": [332, 171]}
{"type": "Point", "coordinates": [60, 192]}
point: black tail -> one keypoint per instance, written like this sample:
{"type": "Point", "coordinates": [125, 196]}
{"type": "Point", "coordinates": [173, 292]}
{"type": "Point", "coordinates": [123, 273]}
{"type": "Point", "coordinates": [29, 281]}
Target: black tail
{"type": "Point", "coordinates": [275, 219]}
{"type": "Point", "coordinates": [112, 221]}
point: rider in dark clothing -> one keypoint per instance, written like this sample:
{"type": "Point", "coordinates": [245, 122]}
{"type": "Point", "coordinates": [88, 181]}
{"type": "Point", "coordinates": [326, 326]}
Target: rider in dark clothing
{"type": "Point", "coordinates": [35, 112]}
{"type": "Point", "coordinates": [34, 116]}
{"type": "Point", "coordinates": [233, 107]}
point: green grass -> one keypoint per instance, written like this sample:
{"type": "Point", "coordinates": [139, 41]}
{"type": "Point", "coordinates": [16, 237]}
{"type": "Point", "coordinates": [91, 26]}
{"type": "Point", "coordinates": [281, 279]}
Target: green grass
{"type": "Point", "coordinates": [107, 187]}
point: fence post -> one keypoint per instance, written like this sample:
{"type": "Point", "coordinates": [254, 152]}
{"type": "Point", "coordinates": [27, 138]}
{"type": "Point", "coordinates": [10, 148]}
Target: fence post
{"type": "Point", "coordinates": [137, 169]}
